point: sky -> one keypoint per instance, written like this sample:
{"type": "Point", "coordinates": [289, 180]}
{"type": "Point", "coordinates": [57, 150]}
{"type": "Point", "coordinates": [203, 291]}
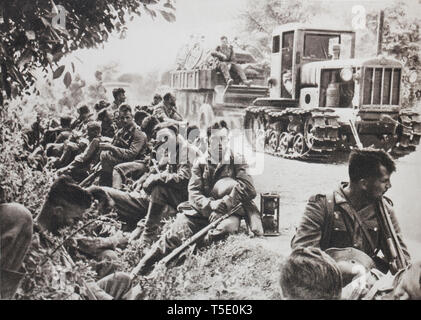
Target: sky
{"type": "Point", "coordinates": [152, 45]}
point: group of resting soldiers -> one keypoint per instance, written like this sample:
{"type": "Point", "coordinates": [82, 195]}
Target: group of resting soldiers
{"type": "Point", "coordinates": [197, 178]}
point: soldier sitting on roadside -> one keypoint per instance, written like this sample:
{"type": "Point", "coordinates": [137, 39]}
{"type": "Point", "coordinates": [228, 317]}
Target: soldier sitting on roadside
{"type": "Point", "coordinates": [349, 216]}
{"type": "Point", "coordinates": [158, 192]}
{"type": "Point", "coordinates": [156, 100]}
{"type": "Point", "coordinates": [167, 110]}
{"type": "Point", "coordinates": [349, 274]}
{"type": "Point", "coordinates": [119, 95]}
{"type": "Point", "coordinates": [128, 143]}
{"type": "Point", "coordinates": [84, 117]}
{"type": "Point", "coordinates": [218, 183]}
{"type": "Point", "coordinates": [15, 238]}
{"type": "Point", "coordinates": [139, 116]}
{"type": "Point", "coordinates": [61, 134]}
{"type": "Point", "coordinates": [79, 168]}
{"type": "Point", "coordinates": [108, 128]}
{"type": "Point", "coordinates": [67, 203]}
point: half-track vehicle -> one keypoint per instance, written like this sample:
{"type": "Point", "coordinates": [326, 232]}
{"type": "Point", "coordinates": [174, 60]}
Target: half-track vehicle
{"type": "Point", "coordinates": [319, 92]}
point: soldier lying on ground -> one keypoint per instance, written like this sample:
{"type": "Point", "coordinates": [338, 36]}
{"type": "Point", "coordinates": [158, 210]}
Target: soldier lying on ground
{"type": "Point", "coordinates": [349, 216]}
{"type": "Point", "coordinates": [311, 274]}
{"type": "Point", "coordinates": [204, 207]}
{"type": "Point", "coordinates": [128, 143]}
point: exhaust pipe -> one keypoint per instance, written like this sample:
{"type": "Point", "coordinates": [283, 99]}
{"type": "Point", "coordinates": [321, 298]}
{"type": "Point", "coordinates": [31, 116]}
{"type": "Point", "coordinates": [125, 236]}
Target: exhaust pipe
{"type": "Point", "coordinates": [380, 27]}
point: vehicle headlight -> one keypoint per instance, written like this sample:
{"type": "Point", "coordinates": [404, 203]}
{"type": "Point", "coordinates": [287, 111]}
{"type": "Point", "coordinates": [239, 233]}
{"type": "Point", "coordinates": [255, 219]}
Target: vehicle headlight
{"type": "Point", "coordinates": [346, 74]}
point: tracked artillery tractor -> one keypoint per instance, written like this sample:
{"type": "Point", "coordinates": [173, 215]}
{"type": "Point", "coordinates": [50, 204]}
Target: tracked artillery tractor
{"type": "Point", "coordinates": [201, 92]}
{"type": "Point", "coordinates": [318, 91]}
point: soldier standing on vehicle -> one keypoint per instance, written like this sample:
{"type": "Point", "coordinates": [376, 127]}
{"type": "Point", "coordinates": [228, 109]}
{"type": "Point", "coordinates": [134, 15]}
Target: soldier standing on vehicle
{"type": "Point", "coordinates": [226, 61]}
{"type": "Point", "coordinates": [350, 216]}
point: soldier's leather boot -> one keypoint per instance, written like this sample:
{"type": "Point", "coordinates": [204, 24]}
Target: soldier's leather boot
{"type": "Point", "coordinates": [105, 179]}
{"type": "Point", "coordinates": [152, 222]}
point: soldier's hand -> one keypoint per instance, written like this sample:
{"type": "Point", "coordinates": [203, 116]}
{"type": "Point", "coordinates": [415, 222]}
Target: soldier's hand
{"type": "Point", "coordinates": [218, 206]}
{"type": "Point", "coordinates": [214, 216]}
{"type": "Point", "coordinates": [105, 146]}
{"type": "Point", "coordinates": [150, 182]}
{"type": "Point", "coordinates": [120, 239]}
{"type": "Point", "coordinates": [409, 287]}
{"type": "Point", "coordinates": [62, 171]}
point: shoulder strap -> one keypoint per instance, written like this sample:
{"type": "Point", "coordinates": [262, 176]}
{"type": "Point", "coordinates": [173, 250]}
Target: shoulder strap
{"type": "Point", "coordinates": [354, 213]}
{"type": "Point", "coordinates": [328, 222]}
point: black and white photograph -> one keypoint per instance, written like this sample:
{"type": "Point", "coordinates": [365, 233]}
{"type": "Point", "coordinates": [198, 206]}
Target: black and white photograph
{"type": "Point", "coordinates": [210, 154]}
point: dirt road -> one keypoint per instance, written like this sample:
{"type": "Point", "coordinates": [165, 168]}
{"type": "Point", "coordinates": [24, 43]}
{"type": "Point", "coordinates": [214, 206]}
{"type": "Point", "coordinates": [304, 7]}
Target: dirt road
{"type": "Point", "coordinates": [296, 181]}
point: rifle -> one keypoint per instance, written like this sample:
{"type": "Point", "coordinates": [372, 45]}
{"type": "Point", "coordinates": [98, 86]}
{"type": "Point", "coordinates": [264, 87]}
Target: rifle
{"type": "Point", "coordinates": [92, 176]}
{"type": "Point", "coordinates": [355, 134]}
{"type": "Point", "coordinates": [198, 235]}
{"type": "Point", "coordinates": [398, 260]}
{"type": "Point", "coordinates": [165, 261]}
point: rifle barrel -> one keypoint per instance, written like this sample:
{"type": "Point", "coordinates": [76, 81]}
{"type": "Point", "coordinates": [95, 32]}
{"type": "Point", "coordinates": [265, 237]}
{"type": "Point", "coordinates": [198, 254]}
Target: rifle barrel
{"type": "Point", "coordinates": [198, 235]}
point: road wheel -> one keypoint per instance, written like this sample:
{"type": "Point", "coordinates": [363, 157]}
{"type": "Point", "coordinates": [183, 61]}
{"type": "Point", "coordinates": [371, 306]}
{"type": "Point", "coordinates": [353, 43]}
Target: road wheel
{"type": "Point", "coordinates": [299, 144]}
{"type": "Point", "coordinates": [284, 143]}
{"type": "Point", "coordinates": [273, 141]}
{"type": "Point", "coordinates": [309, 132]}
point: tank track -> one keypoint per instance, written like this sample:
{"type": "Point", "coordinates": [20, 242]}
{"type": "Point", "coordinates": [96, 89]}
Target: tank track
{"type": "Point", "coordinates": [410, 135]}
{"type": "Point", "coordinates": [325, 131]}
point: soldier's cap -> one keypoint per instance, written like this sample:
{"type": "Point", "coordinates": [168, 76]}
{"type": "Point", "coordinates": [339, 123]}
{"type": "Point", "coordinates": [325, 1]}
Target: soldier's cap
{"type": "Point", "coordinates": [93, 126]}
{"type": "Point", "coordinates": [118, 90]}
{"type": "Point", "coordinates": [83, 110]}
{"type": "Point", "coordinates": [351, 255]}
{"type": "Point", "coordinates": [102, 104]}
{"type": "Point", "coordinates": [157, 96]}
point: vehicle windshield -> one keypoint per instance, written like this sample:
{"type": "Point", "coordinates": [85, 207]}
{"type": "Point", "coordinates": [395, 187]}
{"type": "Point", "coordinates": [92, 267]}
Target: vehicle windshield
{"type": "Point", "coordinates": [320, 46]}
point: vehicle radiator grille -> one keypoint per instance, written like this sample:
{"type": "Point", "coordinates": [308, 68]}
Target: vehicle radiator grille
{"type": "Point", "coordinates": [381, 86]}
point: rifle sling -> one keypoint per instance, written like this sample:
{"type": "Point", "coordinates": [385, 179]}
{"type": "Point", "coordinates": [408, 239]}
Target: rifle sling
{"type": "Point", "coordinates": [350, 210]}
